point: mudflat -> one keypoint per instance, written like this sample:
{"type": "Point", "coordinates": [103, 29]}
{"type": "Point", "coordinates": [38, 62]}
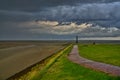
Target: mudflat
{"type": "Point", "coordinates": [14, 59]}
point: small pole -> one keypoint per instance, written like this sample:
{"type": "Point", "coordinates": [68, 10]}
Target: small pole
{"type": "Point", "coordinates": [76, 39]}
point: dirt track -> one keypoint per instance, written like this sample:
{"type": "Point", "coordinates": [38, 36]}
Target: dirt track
{"type": "Point", "coordinates": [14, 60]}
{"type": "Point", "coordinates": [76, 58]}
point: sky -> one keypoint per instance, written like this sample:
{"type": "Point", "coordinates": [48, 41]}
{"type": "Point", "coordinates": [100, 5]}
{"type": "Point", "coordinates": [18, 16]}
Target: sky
{"type": "Point", "coordinates": [59, 19]}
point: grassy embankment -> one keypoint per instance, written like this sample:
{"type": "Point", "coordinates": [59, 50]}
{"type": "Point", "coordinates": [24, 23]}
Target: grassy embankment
{"type": "Point", "coordinates": [58, 67]}
{"type": "Point", "coordinates": [17, 56]}
{"type": "Point", "coordinates": [107, 53]}
{"type": "Point", "coordinates": [38, 71]}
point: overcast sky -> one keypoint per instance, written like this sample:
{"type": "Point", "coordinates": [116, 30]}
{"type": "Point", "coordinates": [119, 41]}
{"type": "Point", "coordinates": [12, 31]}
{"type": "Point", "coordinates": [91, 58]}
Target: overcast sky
{"type": "Point", "coordinates": [59, 19]}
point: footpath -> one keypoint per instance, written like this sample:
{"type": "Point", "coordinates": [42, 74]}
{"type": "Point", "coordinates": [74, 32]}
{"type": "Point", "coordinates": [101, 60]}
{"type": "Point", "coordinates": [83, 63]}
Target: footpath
{"type": "Point", "coordinates": [106, 68]}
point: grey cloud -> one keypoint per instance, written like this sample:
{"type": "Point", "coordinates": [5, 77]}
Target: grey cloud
{"type": "Point", "coordinates": [15, 16]}
{"type": "Point", "coordinates": [89, 30]}
{"type": "Point", "coordinates": [35, 5]}
{"type": "Point", "coordinates": [13, 31]}
{"type": "Point", "coordinates": [32, 5]}
{"type": "Point", "coordinates": [33, 30]}
{"type": "Point", "coordinates": [104, 14]}
{"type": "Point", "coordinates": [14, 12]}
{"type": "Point", "coordinates": [108, 11]}
{"type": "Point", "coordinates": [25, 31]}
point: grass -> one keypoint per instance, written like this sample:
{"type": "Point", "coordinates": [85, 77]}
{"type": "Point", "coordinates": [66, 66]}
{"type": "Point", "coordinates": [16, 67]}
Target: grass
{"type": "Point", "coordinates": [107, 53]}
{"type": "Point", "coordinates": [63, 69]}
{"type": "Point", "coordinates": [39, 70]}
{"type": "Point", "coordinates": [58, 67]}
{"type": "Point", "coordinates": [51, 61]}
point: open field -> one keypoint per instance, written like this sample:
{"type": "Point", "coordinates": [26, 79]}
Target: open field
{"type": "Point", "coordinates": [106, 53]}
{"type": "Point", "coordinates": [63, 69]}
{"type": "Point", "coordinates": [17, 56]}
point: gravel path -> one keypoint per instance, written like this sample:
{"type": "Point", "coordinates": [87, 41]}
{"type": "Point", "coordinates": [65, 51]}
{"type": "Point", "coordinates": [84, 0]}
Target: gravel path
{"type": "Point", "coordinates": [107, 68]}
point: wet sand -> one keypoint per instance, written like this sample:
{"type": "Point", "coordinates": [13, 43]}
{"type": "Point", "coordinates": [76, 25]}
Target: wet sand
{"type": "Point", "coordinates": [16, 59]}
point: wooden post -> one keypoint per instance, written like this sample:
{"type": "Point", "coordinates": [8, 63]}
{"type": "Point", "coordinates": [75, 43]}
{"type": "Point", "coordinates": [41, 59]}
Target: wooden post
{"type": "Point", "coordinates": [76, 39]}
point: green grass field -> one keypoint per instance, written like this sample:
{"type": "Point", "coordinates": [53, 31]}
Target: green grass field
{"type": "Point", "coordinates": [63, 69]}
{"type": "Point", "coordinates": [58, 67]}
{"type": "Point", "coordinates": [107, 53]}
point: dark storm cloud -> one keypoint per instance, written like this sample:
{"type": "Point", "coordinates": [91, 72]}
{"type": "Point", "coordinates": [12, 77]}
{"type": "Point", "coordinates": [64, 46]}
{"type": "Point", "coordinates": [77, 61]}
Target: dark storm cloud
{"type": "Point", "coordinates": [57, 7]}
{"type": "Point", "coordinates": [93, 11]}
{"type": "Point", "coordinates": [107, 14]}
{"type": "Point", "coordinates": [34, 5]}
{"type": "Point", "coordinates": [14, 16]}
{"type": "Point", "coordinates": [18, 18]}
